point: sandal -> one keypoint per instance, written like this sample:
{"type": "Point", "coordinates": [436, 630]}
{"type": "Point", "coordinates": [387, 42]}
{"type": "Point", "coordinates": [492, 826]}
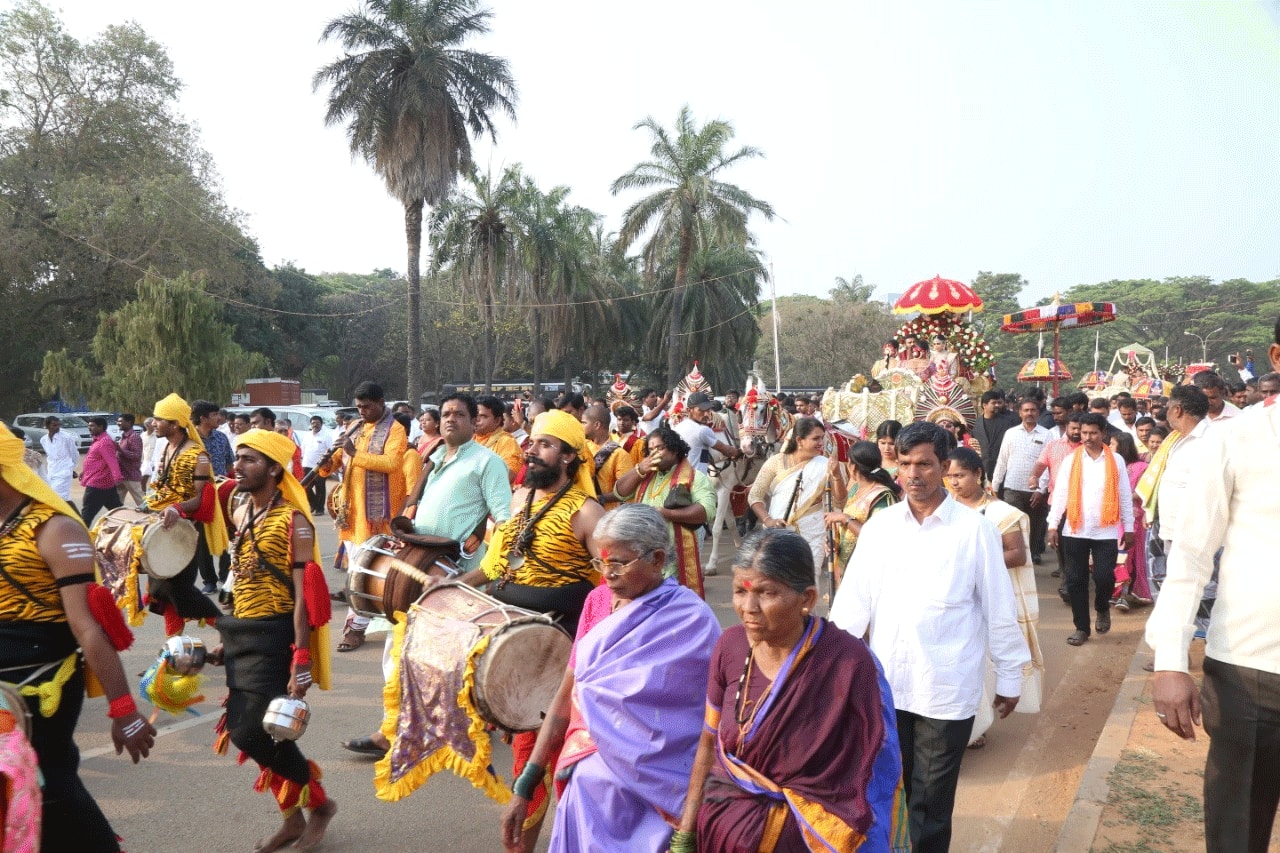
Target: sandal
{"type": "Point", "coordinates": [351, 640]}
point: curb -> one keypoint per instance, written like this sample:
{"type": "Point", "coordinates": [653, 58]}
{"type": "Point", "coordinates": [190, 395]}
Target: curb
{"type": "Point", "coordinates": [1081, 825]}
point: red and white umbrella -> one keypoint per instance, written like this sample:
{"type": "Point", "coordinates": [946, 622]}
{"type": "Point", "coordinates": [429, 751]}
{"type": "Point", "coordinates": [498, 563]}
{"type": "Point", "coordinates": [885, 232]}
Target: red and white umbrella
{"type": "Point", "coordinates": [938, 295]}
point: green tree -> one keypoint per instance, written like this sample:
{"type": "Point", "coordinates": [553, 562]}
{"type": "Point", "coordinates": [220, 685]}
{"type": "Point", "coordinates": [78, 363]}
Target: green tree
{"type": "Point", "coordinates": [688, 208]}
{"type": "Point", "coordinates": [824, 341]}
{"type": "Point", "coordinates": [852, 289]}
{"type": "Point", "coordinates": [169, 338]}
{"type": "Point", "coordinates": [411, 96]}
{"type": "Point", "coordinates": [999, 292]}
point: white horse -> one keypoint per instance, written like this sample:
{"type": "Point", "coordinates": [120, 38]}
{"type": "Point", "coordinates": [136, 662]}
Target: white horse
{"type": "Point", "coordinates": [760, 436]}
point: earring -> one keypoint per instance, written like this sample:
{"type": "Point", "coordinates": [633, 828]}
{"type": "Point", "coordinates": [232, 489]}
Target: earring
{"type": "Point", "coordinates": [804, 611]}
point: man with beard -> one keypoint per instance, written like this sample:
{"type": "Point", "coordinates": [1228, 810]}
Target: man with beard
{"type": "Point", "coordinates": [461, 485]}
{"type": "Point", "coordinates": [1050, 460]}
{"type": "Point", "coordinates": [278, 602]}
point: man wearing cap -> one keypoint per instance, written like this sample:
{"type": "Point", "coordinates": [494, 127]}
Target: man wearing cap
{"type": "Point", "coordinates": [698, 435]}
{"type": "Point", "coordinates": [540, 559]}
{"type": "Point", "coordinates": [275, 639]}
{"type": "Point", "coordinates": [51, 610]}
{"type": "Point", "coordinates": [182, 487]}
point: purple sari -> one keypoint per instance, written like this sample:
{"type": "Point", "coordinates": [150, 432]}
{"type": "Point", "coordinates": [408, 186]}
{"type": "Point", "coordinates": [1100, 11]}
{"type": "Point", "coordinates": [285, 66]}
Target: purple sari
{"type": "Point", "coordinates": [639, 677]}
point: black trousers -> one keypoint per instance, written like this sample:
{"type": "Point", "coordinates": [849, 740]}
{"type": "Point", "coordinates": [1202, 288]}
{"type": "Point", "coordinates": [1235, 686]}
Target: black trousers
{"type": "Point", "coordinates": [245, 711]}
{"type": "Point", "coordinates": [1076, 552]}
{"type": "Point", "coordinates": [181, 588]}
{"type": "Point", "coordinates": [1242, 775]}
{"type": "Point", "coordinates": [1039, 516]}
{"type": "Point", "coordinates": [931, 754]}
{"type": "Point", "coordinates": [96, 499]}
{"type": "Point", "coordinates": [316, 492]}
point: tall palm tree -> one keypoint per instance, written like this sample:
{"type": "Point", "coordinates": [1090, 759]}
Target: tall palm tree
{"type": "Point", "coordinates": [542, 246]}
{"type": "Point", "coordinates": [411, 97]}
{"type": "Point", "coordinates": [688, 200]}
{"type": "Point", "coordinates": [473, 239]}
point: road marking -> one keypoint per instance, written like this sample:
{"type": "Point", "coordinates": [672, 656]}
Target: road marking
{"type": "Point", "coordinates": [172, 728]}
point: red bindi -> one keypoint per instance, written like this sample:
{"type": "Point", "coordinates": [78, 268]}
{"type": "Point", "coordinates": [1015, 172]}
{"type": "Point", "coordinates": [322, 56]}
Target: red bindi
{"type": "Point", "coordinates": [604, 553]}
{"type": "Point", "coordinates": [746, 584]}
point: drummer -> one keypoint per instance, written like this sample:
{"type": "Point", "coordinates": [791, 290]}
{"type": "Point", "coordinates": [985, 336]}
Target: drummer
{"type": "Point", "coordinates": [45, 548]}
{"type": "Point", "coordinates": [279, 603]}
{"type": "Point", "coordinates": [540, 559]}
{"type": "Point", "coordinates": [182, 487]}
{"type": "Point", "coordinates": [462, 484]}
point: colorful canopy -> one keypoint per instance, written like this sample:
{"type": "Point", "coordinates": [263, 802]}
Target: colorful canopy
{"type": "Point", "coordinates": [1054, 315]}
{"type": "Point", "coordinates": [938, 295]}
{"type": "Point", "coordinates": [1096, 379]}
{"type": "Point", "coordinates": [1043, 370]}
{"type": "Point", "coordinates": [1145, 389]}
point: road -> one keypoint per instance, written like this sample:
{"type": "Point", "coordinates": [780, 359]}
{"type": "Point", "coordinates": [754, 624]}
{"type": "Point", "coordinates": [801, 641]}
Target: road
{"type": "Point", "coordinates": [1014, 794]}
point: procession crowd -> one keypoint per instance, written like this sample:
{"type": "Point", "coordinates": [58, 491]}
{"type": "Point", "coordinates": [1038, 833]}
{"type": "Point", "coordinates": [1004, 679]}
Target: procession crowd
{"type": "Point", "coordinates": [788, 731]}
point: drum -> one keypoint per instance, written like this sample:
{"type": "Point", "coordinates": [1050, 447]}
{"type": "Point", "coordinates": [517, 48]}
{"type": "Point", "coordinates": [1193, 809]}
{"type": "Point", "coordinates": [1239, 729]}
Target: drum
{"type": "Point", "coordinates": [126, 533]}
{"type": "Point", "coordinates": [386, 575]}
{"type": "Point", "coordinates": [520, 671]}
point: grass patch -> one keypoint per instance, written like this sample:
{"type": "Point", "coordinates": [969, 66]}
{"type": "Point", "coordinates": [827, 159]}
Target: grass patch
{"type": "Point", "coordinates": [1144, 804]}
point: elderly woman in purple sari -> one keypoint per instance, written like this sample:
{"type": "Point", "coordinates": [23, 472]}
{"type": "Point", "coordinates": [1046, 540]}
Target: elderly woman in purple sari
{"type": "Point", "coordinates": [629, 710]}
{"type": "Point", "coordinates": [799, 751]}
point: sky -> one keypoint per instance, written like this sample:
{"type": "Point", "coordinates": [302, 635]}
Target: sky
{"type": "Point", "coordinates": [1071, 142]}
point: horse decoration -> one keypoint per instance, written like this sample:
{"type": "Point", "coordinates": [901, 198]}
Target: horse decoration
{"type": "Point", "coordinates": [621, 394]}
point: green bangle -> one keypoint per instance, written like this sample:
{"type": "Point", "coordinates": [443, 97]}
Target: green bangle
{"type": "Point", "coordinates": [528, 780]}
{"type": "Point", "coordinates": [683, 842]}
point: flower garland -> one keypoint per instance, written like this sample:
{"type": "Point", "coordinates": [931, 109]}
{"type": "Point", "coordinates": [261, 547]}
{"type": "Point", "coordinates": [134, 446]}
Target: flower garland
{"type": "Point", "coordinates": [964, 339]}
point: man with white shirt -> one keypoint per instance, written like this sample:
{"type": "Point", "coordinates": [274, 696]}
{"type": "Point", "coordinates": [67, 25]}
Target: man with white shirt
{"type": "Point", "coordinates": [1019, 451]}
{"type": "Point", "coordinates": [928, 587]}
{"type": "Point", "coordinates": [1236, 508]}
{"type": "Point", "coordinates": [61, 457]}
{"type": "Point", "coordinates": [1093, 495]}
{"type": "Point", "coordinates": [1215, 388]}
{"type": "Point", "coordinates": [315, 443]}
{"type": "Point", "coordinates": [699, 436]}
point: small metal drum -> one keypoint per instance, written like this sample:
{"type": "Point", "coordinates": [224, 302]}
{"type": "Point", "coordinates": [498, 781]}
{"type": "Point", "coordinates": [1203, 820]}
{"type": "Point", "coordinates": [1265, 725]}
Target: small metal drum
{"type": "Point", "coordinates": [13, 702]}
{"type": "Point", "coordinates": [286, 718]}
{"type": "Point", "coordinates": [186, 655]}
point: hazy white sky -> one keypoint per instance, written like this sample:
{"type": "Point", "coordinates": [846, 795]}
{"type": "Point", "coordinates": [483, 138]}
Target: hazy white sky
{"type": "Point", "coordinates": [1069, 141]}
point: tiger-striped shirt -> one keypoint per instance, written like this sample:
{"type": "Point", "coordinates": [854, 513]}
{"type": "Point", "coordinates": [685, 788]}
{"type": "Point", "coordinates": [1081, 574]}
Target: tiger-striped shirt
{"type": "Point", "coordinates": [176, 482]}
{"type": "Point", "coordinates": [21, 559]}
{"type": "Point", "coordinates": [556, 556]}
{"type": "Point", "coordinates": [258, 593]}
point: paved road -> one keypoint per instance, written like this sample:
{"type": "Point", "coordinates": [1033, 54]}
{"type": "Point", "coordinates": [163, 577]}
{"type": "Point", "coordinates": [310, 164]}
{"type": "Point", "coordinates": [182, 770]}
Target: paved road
{"type": "Point", "coordinates": [186, 798]}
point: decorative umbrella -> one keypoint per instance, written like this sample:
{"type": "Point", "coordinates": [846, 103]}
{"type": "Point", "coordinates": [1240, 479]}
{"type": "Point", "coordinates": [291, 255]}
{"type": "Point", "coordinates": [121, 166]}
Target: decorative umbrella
{"type": "Point", "coordinates": [1145, 389]}
{"type": "Point", "coordinates": [1044, 370]}
{"type": "Point", "coordinates": [1095, 379]}
{"type": "Point", "coordinates": [1056, 316]}
{"type": "Point", "coordinates": [938, 295]}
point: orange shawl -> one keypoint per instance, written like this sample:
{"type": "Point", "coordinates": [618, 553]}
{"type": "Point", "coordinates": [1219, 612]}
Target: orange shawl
{"type": "Point", "coordinates": [1110, 491]}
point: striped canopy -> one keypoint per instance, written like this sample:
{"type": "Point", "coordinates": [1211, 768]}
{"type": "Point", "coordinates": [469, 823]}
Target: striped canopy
{"type": "Point", "coordinates": [1066, 316]}
{"type": "Point", "coordinates": [1043, 370]}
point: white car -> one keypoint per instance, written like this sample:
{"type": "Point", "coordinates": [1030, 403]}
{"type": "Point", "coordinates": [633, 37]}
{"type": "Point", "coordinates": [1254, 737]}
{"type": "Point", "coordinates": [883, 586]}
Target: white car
{"type": "Point", "coordinates": [32, 424]}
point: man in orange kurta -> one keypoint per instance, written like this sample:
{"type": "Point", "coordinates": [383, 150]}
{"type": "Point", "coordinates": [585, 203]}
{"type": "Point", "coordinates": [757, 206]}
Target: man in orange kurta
{"type": "Point", "coordinates": [373, 485]}
{"type": "Point", "coordinates": [491, 435]}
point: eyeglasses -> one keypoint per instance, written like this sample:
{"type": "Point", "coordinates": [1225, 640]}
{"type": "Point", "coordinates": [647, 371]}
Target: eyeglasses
{"type": "Point", "coordinates": [611, 566]}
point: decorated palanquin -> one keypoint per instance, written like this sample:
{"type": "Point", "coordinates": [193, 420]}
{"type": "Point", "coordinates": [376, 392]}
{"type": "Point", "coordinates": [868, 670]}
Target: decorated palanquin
{"type": "Point", "coordinates": [934, 362]}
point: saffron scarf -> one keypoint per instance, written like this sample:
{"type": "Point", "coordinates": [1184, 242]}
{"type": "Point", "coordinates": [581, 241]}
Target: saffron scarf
{"type": "Point", "coordinates": [377, 485]}
{"type": "Point", "coordinates": [1110, 491]}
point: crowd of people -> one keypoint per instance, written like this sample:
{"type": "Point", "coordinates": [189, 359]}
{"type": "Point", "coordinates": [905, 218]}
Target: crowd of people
{"type": "Point", "coordinates": [785, 731]}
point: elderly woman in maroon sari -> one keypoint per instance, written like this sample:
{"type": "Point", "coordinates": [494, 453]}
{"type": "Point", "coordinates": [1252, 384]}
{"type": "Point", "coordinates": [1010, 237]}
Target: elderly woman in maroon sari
{"type": "Point", "coordinates": [799, 750]}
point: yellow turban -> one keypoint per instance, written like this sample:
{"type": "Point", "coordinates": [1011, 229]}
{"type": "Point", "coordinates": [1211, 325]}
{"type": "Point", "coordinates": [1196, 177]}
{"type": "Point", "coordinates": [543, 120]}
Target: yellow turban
{"type": "Point", "coordinates": [17, 473]}
{"type": "Point", "coordinates": [279, 449]}
{"type": "Point", "coordinates": [568, 429]}
{"type": "Point", "coordinates": [174, 408]}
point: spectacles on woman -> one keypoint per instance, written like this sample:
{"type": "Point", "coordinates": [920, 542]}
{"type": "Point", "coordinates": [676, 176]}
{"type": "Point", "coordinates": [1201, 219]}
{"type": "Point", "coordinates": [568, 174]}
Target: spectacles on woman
{"type": "Point", "coordinates": [612, 566]}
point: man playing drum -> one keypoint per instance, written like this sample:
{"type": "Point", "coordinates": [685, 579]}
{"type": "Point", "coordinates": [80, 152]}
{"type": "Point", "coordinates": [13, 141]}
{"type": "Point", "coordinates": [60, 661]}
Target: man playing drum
{"type": "Point", "coordinates": [278, 600]}
{"type": "Point", "coordinates": [461, 485]}
{"type": "Point", "coordinates": [49, 606]}
{"type": "Point", "coordinates": [182, 487]}
{"type": "Point", "coordinates": [373, 487]}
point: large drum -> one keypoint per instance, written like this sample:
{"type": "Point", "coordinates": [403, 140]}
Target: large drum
{"type": "Point", "coordinates": [126, 534]}
{"type": "Point", "coordinates": [518, 674]}
{"type": "Point", "coordinates": [386, 574]}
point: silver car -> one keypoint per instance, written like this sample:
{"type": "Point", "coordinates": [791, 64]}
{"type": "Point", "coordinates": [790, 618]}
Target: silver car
{"type": "Point", "coordinates": [32, 424]}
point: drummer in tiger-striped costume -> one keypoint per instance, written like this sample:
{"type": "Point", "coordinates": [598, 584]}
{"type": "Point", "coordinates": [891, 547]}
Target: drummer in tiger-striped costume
{"type": "Point", "coordinates": [182, 487]}
{"type": "Point", "coordinates": [275, 640]}
{"type": "Point", "coordinates": [540, 559]}
{"type": "Point", "coordinates": [55, 623]}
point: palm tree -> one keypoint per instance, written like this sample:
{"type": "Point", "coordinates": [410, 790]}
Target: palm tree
{"type": "Point", "coordinates": [411, 98]}
{"type": "Point", "coordinates": [473, 238]}
{"type": "Point", "coordinates": [689, 201]}
{"type": "Point", "coordinates": [542, 247]}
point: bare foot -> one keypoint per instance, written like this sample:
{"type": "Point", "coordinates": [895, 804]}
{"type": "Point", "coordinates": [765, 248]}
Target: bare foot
{"type": "Point", "coordinates": [292, 830]}
{"type": "Point", "coordinates": [319, 822]}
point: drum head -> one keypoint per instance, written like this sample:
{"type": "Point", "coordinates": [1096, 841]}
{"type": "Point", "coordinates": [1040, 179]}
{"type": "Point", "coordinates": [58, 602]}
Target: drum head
{"type": "Point", "coordinates": [165, 553]}
{"type": "Point", "coordinates": [365, 589]}
{"type": "Point", "coordinates": [366, 552]}
{"type": "Point", "coordinates": [519, 673]}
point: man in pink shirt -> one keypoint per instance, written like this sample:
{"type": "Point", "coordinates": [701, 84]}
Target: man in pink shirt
{"type": "Point", "coordinates": [1050, 460]}
{"type": "Point", "coordinates": [101, 472]}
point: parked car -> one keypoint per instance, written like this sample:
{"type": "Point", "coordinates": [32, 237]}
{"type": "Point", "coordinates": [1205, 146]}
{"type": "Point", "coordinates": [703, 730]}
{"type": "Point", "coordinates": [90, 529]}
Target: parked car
{"type": "Point", "coordinates": [32, 424]}
{"type": "Point", "coordinates": [299, 417]}
{"type": "Point", "coordinates": [112, 429]}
